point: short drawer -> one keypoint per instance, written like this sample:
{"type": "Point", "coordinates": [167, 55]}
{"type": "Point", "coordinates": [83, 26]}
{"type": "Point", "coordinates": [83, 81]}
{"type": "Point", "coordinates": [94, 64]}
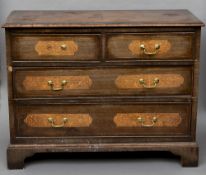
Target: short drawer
{"type": "Point", "coordinates": [150, 46]}
{"type": "Point", "coordinates": [55, 47]}
{"type": "Point", "coordinates": [103, 120]}
{"type": "Point", "coordinates": [103, 81]}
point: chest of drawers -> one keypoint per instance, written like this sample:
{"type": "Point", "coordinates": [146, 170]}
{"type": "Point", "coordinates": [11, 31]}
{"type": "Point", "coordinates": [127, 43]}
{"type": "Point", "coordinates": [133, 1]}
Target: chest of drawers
{"type": "Point", "coordinates": [99, 81]}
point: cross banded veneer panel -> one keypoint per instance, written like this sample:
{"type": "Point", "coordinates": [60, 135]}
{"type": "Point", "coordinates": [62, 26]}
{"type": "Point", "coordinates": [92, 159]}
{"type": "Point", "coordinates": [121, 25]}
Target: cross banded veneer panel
{"type": "Point", "coordinates": [56, 48]}
{"type": "Point", "coordinates": [57, 83]}
{"type": "Point", "coordinates": [150, 81]}
{"type": "Point", "coordinates": [147, 119]}
{"type": "Point", "coordinates": [58, 120]}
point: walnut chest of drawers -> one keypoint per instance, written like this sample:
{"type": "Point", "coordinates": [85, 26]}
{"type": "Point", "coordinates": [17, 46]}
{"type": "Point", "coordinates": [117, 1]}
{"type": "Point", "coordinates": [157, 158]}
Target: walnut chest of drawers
{"type": "Point", "coordinates": [99, 81]}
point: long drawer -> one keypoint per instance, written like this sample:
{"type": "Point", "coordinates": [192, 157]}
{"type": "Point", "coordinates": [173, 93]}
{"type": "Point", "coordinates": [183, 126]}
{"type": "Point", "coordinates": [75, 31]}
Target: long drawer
{"type": "Point", "coordinates": [47, 82]}
{"type": "Point", "coordinates": [68, 120]}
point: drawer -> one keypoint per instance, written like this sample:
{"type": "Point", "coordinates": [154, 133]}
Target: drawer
{"type": "Point", "coordinates": [103, 120]}
{"type": "Point", "coordinates": [150, 46]}
{"type": "Point", "coordinates": [103, 81]}
{"type": "Point", "coordinates": [55, 47]}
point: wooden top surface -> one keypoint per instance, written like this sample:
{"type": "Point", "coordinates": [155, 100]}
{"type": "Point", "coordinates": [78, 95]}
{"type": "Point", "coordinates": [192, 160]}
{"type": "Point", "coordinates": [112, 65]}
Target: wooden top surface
{"type": "Point", "coordinates": [101, 18]}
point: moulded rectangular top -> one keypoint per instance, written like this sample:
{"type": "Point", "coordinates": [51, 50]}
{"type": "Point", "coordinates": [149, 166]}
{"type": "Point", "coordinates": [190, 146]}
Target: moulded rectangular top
{"type": "Point", "coordinates": [102, 18]}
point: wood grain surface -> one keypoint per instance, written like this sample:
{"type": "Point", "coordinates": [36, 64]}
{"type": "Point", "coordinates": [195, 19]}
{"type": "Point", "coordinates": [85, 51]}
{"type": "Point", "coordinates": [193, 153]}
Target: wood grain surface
{"type": "Point", "coordinates": [99, 54]}
{"type": "Point", "coordinates": [48, 47]}
{"type": "Point", "coordinates": [103, 81]}
{"type": "Point", "coordinates": [102, 18]}
{"type": "Point", "coordinates": [172, 46]}
{"type": "Point", "coordinates": [163, 119]}
{"type": "Point", "coordinates": [32, 83]}
{"type": "Point", "coordinates": [102, 115]}
{"type": "Point", "coordinates": [73, 120]}
{"type": "Point", "coordinates": [56, 48]}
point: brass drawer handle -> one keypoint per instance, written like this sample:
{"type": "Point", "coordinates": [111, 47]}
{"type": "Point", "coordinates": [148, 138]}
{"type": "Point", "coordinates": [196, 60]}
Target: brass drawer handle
{"type": "Point", "coordinates": [51, 84]}
{"type": "Point", "coordinates": [51, 120]}
{"type": "Point", "coordinates": [141, 120]}
{"type": "Point", "coordinates": [63, 47]}
{"type": "Point", "coordinates": [157, 47]}
{"type": "Point", "coordinates": [154, 84]}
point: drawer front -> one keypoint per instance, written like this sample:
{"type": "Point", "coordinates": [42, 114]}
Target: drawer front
{"type": "Point", "coordinates": [103, 120]}
{"type": "Point", "coordinates": [55, 47]}
{"type": "Point", "coordinates": [150, 46]}
{"type": "Point", "coordinates": [105, 81]}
